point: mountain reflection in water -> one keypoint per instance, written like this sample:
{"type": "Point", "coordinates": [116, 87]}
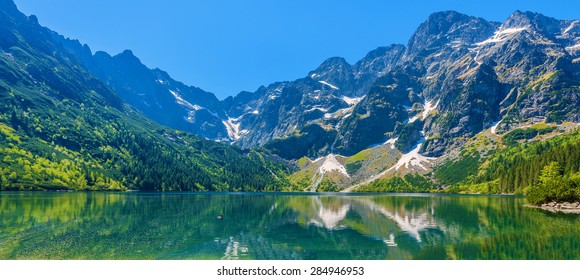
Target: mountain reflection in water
{"type": "Point", "coordinates": [280, 226]}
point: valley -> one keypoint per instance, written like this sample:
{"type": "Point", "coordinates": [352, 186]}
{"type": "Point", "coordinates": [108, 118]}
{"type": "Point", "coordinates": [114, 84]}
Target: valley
{"type": "Point", "coordinates": [466, 106]}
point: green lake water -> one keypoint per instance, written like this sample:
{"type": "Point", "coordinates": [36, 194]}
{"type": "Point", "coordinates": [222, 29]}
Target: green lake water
{"type": "Point", "coordinates": [175, 226]}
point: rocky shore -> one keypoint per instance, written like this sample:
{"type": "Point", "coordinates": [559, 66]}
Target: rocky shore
{"type": "Point", "coordinates": [564, 207]}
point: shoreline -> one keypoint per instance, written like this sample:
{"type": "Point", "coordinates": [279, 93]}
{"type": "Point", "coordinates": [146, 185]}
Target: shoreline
{"type": "Point", "coordinates": [267, 192]}
{"type": "Point", "coordinates": [558, 207]}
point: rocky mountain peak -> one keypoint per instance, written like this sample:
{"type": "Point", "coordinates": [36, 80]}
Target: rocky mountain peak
{"type": "Point", "coordinates": [443, 17]}
{"type": "Point", "coordinates": [128, 57]}
{"type": "Point", "coordinates": [332, 63]}
{"type": "Point", "coordinates": [448, 30]}
{"type": "Point", "coordinates": [522, 19]}
{"type": "Point", "coordinates": [332, 70]}
{"type": "Point", "coordinates": [102, 55]}
{"type": "Point", "coordinates": [534, 22]}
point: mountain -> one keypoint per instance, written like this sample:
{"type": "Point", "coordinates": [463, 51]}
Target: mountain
{"type": "Point", "coordinates": [152, 91]}
{"type": "Point", "coordinates": [458, 77]}
{"type": "Point", "coordinates": [62, 128]}
{"type": "Point", "coordinates": [335, 83]}
{"type": "Point", "coordinates": [309, 110]}
{"type": "Point", "coordinates": [470, 70]}
{"type": "Point", "coordinates": [459, 97]}
{"type": "Point", "coordinates": [344, 109]}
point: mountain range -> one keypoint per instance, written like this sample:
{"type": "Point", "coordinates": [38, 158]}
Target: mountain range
{"type": "Point", "coordinates": [461, 92]}
{"type": "Point", "coordinates": [63, 128]}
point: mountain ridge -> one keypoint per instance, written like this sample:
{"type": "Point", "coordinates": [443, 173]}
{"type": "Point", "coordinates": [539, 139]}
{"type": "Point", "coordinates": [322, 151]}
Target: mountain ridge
{"type": "Point", "coordinates": [399, 111]}
{"type": "Point", "coordinates": [61, 128]}
{"type": "Point", "coordinates": [235, 120]}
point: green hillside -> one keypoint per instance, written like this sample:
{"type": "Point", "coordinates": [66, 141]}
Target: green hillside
{"type": "Point", "coordinates": [551, 165]}
{"type": "Point", "coordinates": [62, 129]}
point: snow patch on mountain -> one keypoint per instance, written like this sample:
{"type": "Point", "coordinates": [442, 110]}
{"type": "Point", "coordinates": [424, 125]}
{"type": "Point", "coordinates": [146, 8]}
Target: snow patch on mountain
{"type": "Point", "coordinates": [573, 48]}
{"type": "Point", "coordinates": [427, 108]}
{"type": "Point", "coordinates": [494, 128]}
{"type": "Point", "coordinates": [331, 164]}
{"type": "Point", "coordinates": [344, 112]}
{"type": "Point", "coordinates": [328, 84]}
{"type": "Point", "coordinates": [413, 158]}
{"type": "Point", "coordinates": [572, 25]}
{"type": "Point", "coordinates": [501, 35]}
{"type": "Point", "coordinates": [317, 108]}
{"type": "Point", "coordinates": [233, 128]}
{"type": "Point", "coordinates": [392, 142]}
{"type": "Point", "coordinates": [184, 102]}
{"type": "Point", "coordinates": [352, 101]}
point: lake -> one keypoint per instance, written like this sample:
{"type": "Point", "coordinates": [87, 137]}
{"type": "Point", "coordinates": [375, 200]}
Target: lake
{"type": "Point", "coordinates": [174, 226]}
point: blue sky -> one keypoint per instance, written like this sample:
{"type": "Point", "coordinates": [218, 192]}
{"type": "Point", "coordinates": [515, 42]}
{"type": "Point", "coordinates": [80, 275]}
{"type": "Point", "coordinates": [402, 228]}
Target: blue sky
{"type": "Point", "coordinates": [228, 46]}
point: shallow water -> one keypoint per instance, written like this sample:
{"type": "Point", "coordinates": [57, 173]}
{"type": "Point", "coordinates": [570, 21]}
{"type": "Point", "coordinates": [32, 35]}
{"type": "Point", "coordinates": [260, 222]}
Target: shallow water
{"type": "Point", "coordinates": [83, 225]}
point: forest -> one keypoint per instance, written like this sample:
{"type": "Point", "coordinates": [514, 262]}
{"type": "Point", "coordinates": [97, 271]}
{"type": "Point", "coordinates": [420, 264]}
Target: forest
{"type": "Point", "coordinates": [89, 147]}
{"type": "Point", "coordinates": [548, 169]}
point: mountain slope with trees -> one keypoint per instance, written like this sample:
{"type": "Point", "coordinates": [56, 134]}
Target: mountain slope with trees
{"type": "Point", "coordinates": [62, 129]}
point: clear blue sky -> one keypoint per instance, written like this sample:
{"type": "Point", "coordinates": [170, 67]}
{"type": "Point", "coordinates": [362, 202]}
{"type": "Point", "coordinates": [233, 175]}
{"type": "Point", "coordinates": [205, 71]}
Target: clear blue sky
{"type": "Point", "coordinates": [228, 46]}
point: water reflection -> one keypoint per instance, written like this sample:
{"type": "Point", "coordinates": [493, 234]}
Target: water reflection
{"type": "Point", "coordinates": [331, 213]}
{"type": "Point", "coordinates": [328, 216]}
{"type": "Point", "coordinates": [185, 226]}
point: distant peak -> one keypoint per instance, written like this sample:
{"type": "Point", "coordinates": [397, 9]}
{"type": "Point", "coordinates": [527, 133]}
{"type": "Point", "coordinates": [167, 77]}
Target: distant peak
{"type": "Point", "coordinates": [444, 14]}
{"type": "Point", "coordinates": [526, 14]}
{"type": "Point", "coordinates": [529, 16]}
{"type": "Point", "coordinates": [442, 28]}
{"type": "Point", "coordinates": [33, 19]}
{"type": "Point", "coordinates": [335, 60]}
{"type": "Point", "coordinates": [127, 53]}
{"type": "Point", "coordinates": [536, 21]}
{"type": "Point", "coordinates": [329, 66]}
{"type": "Point", "coordinates": [440, 22]}
{"type": "Point", "coordinates": [447, 16]}
{"type": "Point", "coordinates": [102, 54]}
